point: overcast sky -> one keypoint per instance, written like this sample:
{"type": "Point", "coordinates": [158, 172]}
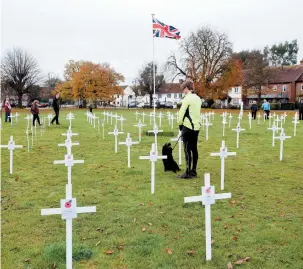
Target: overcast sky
{"type": "Point", "coordinates": [119, 31]}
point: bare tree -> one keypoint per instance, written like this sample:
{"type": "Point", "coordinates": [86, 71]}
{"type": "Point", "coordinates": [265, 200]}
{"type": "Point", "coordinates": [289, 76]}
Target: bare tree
{"type": "Point", "coordinates": [146, 82]}
{"type": "Point", "coordinates": [258, 74]}
{"type": "Point", "coordinates": [204, 56]}
{"type": "Point", "coordinates": [20, 71]}
{"type": "Point", "coordinates": [52, 81]}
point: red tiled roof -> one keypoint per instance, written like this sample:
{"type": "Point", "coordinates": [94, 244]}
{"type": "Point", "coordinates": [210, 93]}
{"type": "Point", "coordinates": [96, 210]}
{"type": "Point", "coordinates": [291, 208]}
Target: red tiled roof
{"type": "Point", "coordinates": [300, 79]}
{"type": "Point", "coordinates": [170, 88]}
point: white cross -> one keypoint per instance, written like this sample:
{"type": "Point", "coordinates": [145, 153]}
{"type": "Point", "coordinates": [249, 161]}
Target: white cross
{"type": "Point", "coordinates": [238, 130]}
{"type": "Point", "coordinates": [207, 198]}
{"type": "Point", "coordinates": [70, 117]}
{"type": "Point", "coordinates": [240, 117]}
{"type": "Point", "coordinates": [264, 116]}
{"type": "Point", "coordinates": [284, 116]}
{"type": "Point", "coordinates": [11, 117]}
{"type": "Point", "coordinates": [213, 115]}
{"type": "Point", "coordinates": [49, 117]}
{"type": "Point", "coordinates": [69, 133]}
{"type": "Point", "coordinates": [111, 118]}
{"type": "Point", "coordinates": [121, 119]}
{"type": "Point", "coordinates": [223, 154]}
{"type": "Point", "coordinates": [143, 115]}
{"type": "Point", "coordinates": [172, 121]}
{"type": "Point", "coordinates": [274, 128]}
{"type": "Point", "coordinates": [16, 116]}
{"type": "Point", "coordinates": [28, 118]}
{"type": "Point", "coordinates": [282, 137]}
{"type": "Point", "coordinates": [224, 122]}
{"type": "Point", "coordinates": [107, 116]}
{"type": "Point", "coordinates": [68, 212]}
{"type": "Point", "coordinates": [68, 162]}
{"type": "Point", "coordinates": [153, 157]}
{"type": "Point", "coordinates": [230, 117]}
{"type": "Point", "coordinates": [104, 114]}
{"type": "Point", "coordinates": [270, 117]}
{"type": "Point", "coordinates": [249, 120]}
{"type": "Point", "coordinates": [128, 143]}
{"type": "Point", "coordinates": [295, 122]}
{"type": "Point", "coordinates": [140, 125]}
{"type": "Point", "coordinates": [68, 144]}
{"type": "Point", "coordinates": [11, 147]}
{"type": "Point", "coordinates": [160, 116]}
{"type": "Point", "coordinates": [179, 139]}
{"type": "Point", "coordinates": [116, 133]}
{"type": "Point", "coordinates": [258, 117]}
{"type": "Point", "coordinates": [102, 124]}
{"type": "Point", "coordinates": [137, 113]}
{"type": "Point", "coordinates": [207, 124]}
{"type": "Point", "coordinates": [168, 116]}
{"type": "Point", "coordinates": [117, 118]}
{"type": "Point", "coordinates": [151, 116]}
{"type": "Point", "coordinates": [155, 131]}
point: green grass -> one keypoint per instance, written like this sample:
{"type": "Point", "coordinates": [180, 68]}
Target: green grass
{"type": "Point", "coordinates": [262, 220]}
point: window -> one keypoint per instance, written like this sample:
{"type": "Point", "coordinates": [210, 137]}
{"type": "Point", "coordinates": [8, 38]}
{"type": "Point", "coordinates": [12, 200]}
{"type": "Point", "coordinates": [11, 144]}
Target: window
{"type": "Point", "coordinates": [274, 88]}
{"type": "Point", "coordinates": [236, 90]}
{"type": "Point", "coordinates": [175, 95]}
{"type": "Point", "coordinates": [284, 88]}
{"type": "Point", "coordinates": [168, 95]}
{"type": "Point", "coordinates": [301, 87]}
{"type": "Point", "coordinates": [180, 94]}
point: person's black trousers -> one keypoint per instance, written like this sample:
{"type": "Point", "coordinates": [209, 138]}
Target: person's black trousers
{"type": "Point", "coordinates": [91, 110]}
{"type": "Point", "coordinates": [56, 118]}
{"type": "Point", "coordinates": [36, 117]}
{"type": "Point", "coordinates": [190, 141]}
{"type": "Point", "coordinates": [253, 114]}
{"type": "Point", "coordinates": [267, 114]}
{"type": "Point", "coordinates": [300, 114]}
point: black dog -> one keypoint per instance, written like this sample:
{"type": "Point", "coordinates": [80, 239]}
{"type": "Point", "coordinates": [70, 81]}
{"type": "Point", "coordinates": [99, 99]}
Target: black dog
{"type": "Point", "coordinates": [169, 163]}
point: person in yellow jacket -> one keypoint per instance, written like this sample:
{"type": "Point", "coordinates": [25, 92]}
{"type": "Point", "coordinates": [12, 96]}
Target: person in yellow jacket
{"type": "Point", "coordinates": [189, 125]}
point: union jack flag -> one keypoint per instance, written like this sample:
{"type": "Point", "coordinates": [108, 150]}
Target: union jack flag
{"type": "Point", "coordinates": [162, 30]}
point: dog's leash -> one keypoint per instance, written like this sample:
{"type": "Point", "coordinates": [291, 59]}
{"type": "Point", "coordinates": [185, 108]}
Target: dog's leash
{"type": "Point", "coordinates": [177, 142]}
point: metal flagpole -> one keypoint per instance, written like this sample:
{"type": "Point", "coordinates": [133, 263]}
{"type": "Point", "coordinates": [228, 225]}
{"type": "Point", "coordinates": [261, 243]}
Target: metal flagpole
{"type": "Point", "coordinates": [154, 75]}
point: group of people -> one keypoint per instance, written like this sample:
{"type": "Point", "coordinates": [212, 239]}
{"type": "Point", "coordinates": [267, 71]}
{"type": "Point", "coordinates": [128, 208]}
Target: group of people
{"type": "Point", "coordinates": [35, 111]}
{"type": "Point", "coordinates": [189, 125]}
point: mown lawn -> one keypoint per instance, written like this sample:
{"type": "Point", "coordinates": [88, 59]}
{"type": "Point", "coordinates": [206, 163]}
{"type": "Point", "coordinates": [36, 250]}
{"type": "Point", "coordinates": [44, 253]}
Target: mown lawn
{"type": "Point", "coordinates": [134, 229]}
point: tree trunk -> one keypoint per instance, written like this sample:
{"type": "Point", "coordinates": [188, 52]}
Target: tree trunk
{"type": "Point", "coordinates": [95, 103]}
{"type": "Point", "coordinates": [151, 99]}
{"type": "Point", "coordinates": [84, 103]}
{"type": "Point", "coordinates": [20, 100]}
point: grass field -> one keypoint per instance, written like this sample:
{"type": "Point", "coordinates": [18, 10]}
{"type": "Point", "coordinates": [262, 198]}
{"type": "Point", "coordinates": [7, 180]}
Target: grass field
{"type": "Point", "coordinates": [136, 230]}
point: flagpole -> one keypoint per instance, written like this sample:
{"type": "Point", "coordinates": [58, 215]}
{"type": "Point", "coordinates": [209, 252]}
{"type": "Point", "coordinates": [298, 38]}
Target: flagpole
{"type": "Point", "coordinates": [154, 76]}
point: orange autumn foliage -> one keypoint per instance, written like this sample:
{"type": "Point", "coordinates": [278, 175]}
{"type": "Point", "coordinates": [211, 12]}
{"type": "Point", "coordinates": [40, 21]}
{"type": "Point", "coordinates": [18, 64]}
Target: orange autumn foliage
{"type": "Point", "coordinates": [89, 81]}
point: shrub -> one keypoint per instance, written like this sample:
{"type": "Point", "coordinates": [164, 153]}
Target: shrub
{"type": "Point", "coordinates": [274, 106]}
{"type": "Point", "coordinates": [288, 106]}
{"type": "Point", "coordinates": [210, 102]}
{"type": "Point", "coordinates": [230, 106]}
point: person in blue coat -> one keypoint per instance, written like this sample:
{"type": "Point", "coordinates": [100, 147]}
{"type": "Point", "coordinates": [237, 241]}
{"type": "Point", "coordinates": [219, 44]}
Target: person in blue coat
{"type": "Point", "coordinates": [266, 108]}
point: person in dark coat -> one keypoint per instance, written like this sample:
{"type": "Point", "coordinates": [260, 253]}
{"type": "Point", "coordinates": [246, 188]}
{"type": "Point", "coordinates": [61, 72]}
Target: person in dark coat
{"type": "Point", "coordinates": [56, 107]}
{"type": "Point", "coordinates": [35, 112]}
{"type": "Point", "coordinates": [254, 109]}
{"type": "Point", "coordinates": [8, 109]}
{"type": "Point", "coordinates": [301, 109]}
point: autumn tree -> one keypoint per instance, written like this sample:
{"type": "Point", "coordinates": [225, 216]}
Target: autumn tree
{"type": "Point", "coordinates": [89, 81]}
{"type": "Point", "coordinates": [20, 72]}
{"type": "Point", "coordinates": [205, 58]}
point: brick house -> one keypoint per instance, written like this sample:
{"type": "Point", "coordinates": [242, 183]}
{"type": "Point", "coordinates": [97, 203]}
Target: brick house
{"type": "Point", "coordinates": [285, 86]}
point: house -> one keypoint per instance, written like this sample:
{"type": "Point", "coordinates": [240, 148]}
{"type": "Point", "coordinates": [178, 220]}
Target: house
{"type": "Point", "coordinates": [285, 86]}
{"type": "Point", "coordinates": [169, 92]}
{"type": "Point", "coordinates": [126, 97]}
{"type": "Point", "coordinates": [235, 93]}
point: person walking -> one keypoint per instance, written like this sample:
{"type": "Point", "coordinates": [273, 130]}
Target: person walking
{"type": "Point", "coordinates": [35, 112]}
{"type": "Point", "coordinates": [254, 109]}
{"type": "Point", "coordinates": [189, 125]}
{"type": "Point", "coordinates": [266, 108]}
{"type": "Point", "coordinates": [301, 109]}
{"type": "Point", "coordinates": [56, 107]}
{"type": "Point", "coordinates": [91, 107]}
{"type": "Point", "coordinates": [8, 109]}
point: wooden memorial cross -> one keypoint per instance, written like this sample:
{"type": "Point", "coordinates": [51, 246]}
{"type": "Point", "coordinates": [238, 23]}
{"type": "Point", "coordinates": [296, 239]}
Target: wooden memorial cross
{"type": "Point", "coordinates": [11, 146]}
{"type": "Point", "coordinates": [207, 198]}
{"type": "Point", "coordinates": [223, 154]}
{"type": "Point", "coordinates": [238, 131]}
{"type": "Point", "coordinates": [116, 133]}
{"type": "Point", "coordinates": [153, 157]}
{"type": "Point", "coordinates": [128, 143]}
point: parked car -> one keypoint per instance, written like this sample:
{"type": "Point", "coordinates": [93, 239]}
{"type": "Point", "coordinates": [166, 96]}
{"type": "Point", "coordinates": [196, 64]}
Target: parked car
{"type": "Point", "coordinates": [133, 104]}
{"type": "Point", "coordinates": [165, 105]}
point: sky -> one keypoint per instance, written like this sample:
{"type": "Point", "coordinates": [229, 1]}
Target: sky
{"type": "Point", "coordinates": [120, 31]}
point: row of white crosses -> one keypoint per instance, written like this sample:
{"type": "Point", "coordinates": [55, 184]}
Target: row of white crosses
{"type": "Point", "coordinates": [207, 198]}
{"type": "Point", "coordinates": [11, 146]}
{"type": "Point", "coordinates": [12, 116]}
{"type": "Point", "coordinates": [295, 122]}
{"type": "Point", "coordinates": [68, 206]}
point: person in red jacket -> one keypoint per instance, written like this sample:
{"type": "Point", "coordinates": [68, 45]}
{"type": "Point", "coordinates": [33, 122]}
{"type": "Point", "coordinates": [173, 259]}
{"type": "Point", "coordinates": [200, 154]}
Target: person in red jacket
{"type": "Point", "coordinates": [35, 112]}
{"type": "Point", "coordinates": [8, 109]}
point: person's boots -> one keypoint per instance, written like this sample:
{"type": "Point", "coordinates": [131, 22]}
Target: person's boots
{"type": "Point", "coordinates": [186, 175]}
{"type": "Point", "coordinates": [193, 173]}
